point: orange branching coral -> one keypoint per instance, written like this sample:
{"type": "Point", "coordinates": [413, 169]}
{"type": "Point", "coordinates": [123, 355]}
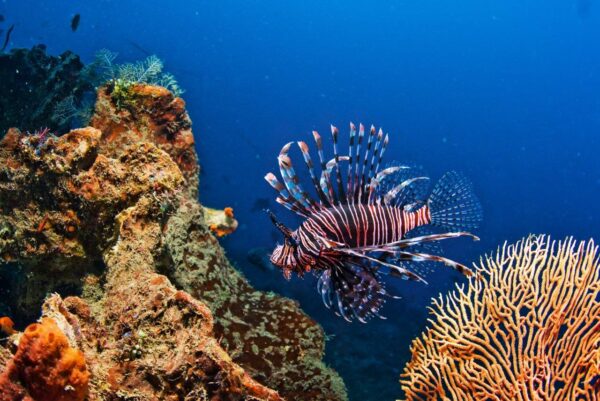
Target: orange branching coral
{"type": "Point", "coordinates": [527, 329]}
{"type": "Point", "coordinates": [45, 367]}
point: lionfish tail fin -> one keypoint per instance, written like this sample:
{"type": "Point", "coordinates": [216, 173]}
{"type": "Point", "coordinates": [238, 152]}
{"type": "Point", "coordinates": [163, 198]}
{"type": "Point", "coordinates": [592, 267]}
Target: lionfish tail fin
{"type": "Point", "coordinates": [453, 204]}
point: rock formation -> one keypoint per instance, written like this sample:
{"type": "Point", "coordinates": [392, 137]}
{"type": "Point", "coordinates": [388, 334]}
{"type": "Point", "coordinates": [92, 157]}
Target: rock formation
{"type": "Point", "coordinates": [107, 217]}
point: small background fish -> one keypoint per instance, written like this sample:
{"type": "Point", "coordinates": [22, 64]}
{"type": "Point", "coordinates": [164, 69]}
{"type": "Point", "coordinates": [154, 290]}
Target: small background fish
{"type": "Point", "coordinates": [75, 22]}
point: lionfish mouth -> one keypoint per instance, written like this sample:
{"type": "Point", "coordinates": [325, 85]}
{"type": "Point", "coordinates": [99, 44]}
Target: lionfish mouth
{"type": "Point", "coordinates": [274, 262]}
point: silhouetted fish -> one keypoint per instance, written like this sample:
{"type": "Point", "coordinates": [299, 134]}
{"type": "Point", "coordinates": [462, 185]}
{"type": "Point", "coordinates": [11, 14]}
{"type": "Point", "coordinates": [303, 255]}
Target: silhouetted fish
{"type": "Point", "coordinates": [7, 38]}
{"type": "Point", "coordinates": [259, 257]}
{"type": "Point", "coordinates": [140, 48]}
{"type": "Point", "coordinates": [75, 22]}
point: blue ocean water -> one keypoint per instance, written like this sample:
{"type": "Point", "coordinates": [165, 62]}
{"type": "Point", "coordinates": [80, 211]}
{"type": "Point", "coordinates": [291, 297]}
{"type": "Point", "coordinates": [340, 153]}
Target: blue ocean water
{"type": "Point", "coordinates": [506, 92]}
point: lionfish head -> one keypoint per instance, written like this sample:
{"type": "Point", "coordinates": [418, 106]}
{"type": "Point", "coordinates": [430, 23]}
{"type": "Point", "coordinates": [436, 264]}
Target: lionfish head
{"type": "Point", "coordinates": [285, 258]}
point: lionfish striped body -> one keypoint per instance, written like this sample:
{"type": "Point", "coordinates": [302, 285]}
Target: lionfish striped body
{"type": "Point", "coordinates": [362, 227]}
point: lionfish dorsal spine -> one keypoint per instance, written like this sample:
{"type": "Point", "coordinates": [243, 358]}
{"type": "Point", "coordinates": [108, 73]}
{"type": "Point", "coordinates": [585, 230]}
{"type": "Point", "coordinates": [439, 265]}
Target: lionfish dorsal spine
{"type": "Point", "coordinates": [325, 177]}
{"type": "Point", "coordinates": [373, 184]}
{"type": "Point", "coordinates": [383, 147]}
{"type": "Point", "coordinates": [349, 180]}
{"type": "Point", "coordinates": [365, 161]}
{"type": "Point", "coordinates": [284, 197]}
{"type": "Point", "coordinates": [375, 155]}
{"type": "Point", "coordinates": [290, 179]}
{"type": "Point", "coordinates": [336, 158]}
{"type": "Point", "coordinates": [363, 175]}
{"type": "Point", "coordinates": [311, 170]}
{"type": "Point", "coordinates": [361, 135]}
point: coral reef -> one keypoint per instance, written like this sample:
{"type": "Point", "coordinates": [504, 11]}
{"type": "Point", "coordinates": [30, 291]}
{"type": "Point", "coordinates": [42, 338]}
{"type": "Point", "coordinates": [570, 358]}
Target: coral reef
{"type": "Point", "coordinates": [144, 113]}
{"type": "Point", "coordinates": [96, 215]}
{"type": "Point", "coordinates": [148, 71]}
{"type": "Point", "coordinates": [59, 200]}
{"type": "Point", "coordinates": [268, 335]}
{"type": "Point", "coordinates": [45, 367]}
{"type": "Point", "coordinates": [526, 329]}
{"type": "Point", "coordinates": [147, 340]}
{"type": "Point", "coordinates": [40, 86]}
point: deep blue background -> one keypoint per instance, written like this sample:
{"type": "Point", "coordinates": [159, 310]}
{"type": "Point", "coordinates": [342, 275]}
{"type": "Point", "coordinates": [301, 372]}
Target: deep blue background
{"type": "Point", "coordinates": [505, 91]}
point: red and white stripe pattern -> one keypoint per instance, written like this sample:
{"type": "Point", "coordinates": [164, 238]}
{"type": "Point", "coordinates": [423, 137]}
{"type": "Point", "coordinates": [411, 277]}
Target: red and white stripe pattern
{"type": "Point", "coordinates": [359, 225]}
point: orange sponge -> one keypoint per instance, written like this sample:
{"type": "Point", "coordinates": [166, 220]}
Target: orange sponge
{"type": "Point", "coordinates": [6, 325]}
{"type": "Point", "coordinates": [46, 366]}
{"type": "Point", "coordinates": [220, 222]}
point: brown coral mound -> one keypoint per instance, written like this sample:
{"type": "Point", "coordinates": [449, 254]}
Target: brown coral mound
{"type": "Point", "coordinates": [45, 367]}
{"type": "Point", "coordinates": [147, 340]}
{"type": "Point", "coordinates": [58, 201]}
{"type": "Point", "coordinates": [99, 212]}
{"type": "Point", "coordinates": [269, 336]}
{"type": "Point", "coordinates": [148, 114]}
{"type": "Point", "coordinates": [527, 329]}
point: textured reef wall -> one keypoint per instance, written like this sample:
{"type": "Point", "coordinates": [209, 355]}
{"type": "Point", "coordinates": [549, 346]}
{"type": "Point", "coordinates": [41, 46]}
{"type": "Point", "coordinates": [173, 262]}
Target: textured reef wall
{"type": "Point", "coordinates": [151, 309]}
{"type": "Point", "coordinates": [270, 336]}
{"type": "Point", "coordinates": [145, 113]}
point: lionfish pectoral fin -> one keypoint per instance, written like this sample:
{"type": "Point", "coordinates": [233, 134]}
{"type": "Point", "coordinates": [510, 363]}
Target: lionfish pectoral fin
{"type": "Point", "coordinates": [419, 257]}
{"type": "Point", "coordinates": [398, 252]}
{"type": "Point", "coordinates": [398, 271]}
{"type": "Point", "coordinates": [396, 246]}
{"type": "Point", "coordinates": [407, 242]}
{"type": "Point", "coordinates": [353, 286]}
{"type": "Point", "coordinates": [453, 204]}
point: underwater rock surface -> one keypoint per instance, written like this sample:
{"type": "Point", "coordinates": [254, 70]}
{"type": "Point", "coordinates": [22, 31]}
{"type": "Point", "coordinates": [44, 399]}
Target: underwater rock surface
{"type": "Point", "coordinates": [268, 335]}
{"type": "Point", "coordinates": [100, 213]}
{"type": "Point", "coordinates": [144, 113]}
{"type": "Point", "coordinates": [59, 199]}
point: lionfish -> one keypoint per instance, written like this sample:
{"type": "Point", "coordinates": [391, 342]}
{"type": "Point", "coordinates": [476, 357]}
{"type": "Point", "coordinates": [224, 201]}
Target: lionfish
{"type": "Point", "coordinates": [362, 228]}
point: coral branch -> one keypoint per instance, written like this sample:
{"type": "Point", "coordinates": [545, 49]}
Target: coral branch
{"type": "Point", "coordinates": [527, 329]}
